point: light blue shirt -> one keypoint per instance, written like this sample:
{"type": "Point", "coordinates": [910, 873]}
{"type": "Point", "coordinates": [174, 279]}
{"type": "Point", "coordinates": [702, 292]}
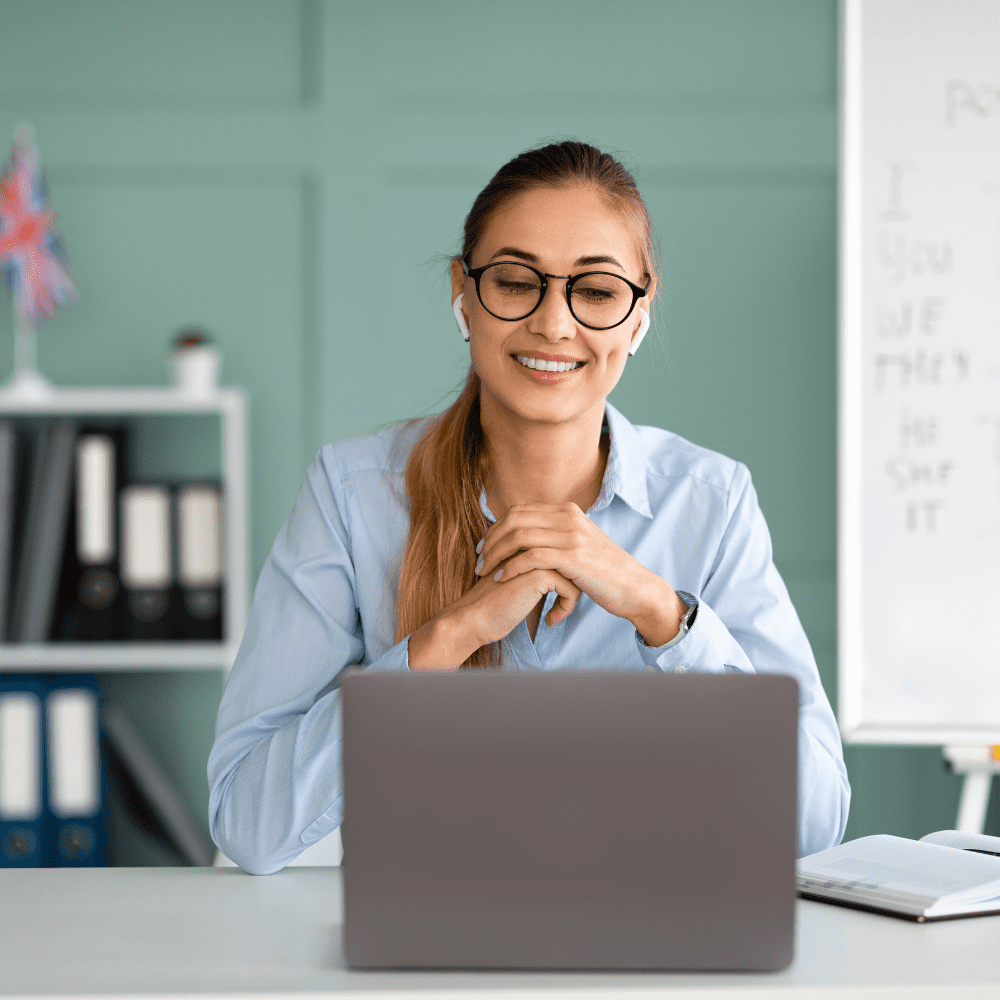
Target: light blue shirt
{"type": "Point", "coordinates": [326, 600]}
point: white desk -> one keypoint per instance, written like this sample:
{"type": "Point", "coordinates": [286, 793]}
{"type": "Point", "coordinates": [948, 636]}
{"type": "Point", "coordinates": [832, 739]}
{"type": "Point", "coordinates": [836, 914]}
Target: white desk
{"type": "Point", "coordinates": [200, 932]}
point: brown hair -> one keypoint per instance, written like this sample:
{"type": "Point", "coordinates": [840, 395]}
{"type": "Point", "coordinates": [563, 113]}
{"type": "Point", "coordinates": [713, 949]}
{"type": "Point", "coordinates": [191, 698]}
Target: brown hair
{"type": "Point", "coordinates": [446, 470]}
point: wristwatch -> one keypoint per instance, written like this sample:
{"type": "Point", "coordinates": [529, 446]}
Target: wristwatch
{"type": "Point", "coordinates": [687, 619]}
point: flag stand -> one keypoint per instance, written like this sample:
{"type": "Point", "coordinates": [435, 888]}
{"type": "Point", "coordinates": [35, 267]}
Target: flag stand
{"type": "Point", "coordinates": [26, 381]}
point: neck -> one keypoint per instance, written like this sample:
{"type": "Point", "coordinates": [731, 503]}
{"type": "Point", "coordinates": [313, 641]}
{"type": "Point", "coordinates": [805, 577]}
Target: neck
{"type": "Point", "coordinates": [532, 462]}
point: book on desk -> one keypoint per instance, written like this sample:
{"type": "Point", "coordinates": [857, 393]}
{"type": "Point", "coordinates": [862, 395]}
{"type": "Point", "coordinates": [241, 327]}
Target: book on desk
{"type": "Point", "coordinates": [944, 875]}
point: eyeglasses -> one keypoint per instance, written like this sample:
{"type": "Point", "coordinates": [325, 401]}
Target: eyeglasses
{"type": "Point", "coordinates": [599, 300]}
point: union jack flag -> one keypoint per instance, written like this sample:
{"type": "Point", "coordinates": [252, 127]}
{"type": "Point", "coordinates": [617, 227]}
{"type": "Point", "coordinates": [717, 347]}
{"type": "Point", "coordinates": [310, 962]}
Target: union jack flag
{"type": "Point", "coordinates": [31, 250]}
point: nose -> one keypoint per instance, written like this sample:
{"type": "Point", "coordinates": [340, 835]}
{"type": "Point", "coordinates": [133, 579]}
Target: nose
{"type": "Point", "coordinates": [552, 319]}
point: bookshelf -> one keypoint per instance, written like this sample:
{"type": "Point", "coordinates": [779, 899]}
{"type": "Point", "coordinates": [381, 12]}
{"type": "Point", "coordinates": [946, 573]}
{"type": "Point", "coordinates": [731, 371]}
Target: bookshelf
{"type": "Point", "coordinates": [228, 404]}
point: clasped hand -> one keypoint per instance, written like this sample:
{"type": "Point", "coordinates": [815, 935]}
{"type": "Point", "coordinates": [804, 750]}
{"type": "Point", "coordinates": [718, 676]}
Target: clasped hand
{"type": "Point", "coordinates": [537, 548]}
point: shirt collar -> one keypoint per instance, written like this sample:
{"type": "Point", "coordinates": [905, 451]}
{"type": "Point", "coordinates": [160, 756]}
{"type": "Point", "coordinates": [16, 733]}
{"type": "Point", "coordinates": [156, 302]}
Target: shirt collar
{"type": "Point", "coordinates": [625, 473]}
{"type": "Point", "coordinates": [626, 470]}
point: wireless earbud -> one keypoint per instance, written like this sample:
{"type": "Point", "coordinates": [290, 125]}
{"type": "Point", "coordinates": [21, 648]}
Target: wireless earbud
{"type": "Point", "coordinates": [459, 318]}
{"type": "Point", "coordinates": [640, 333]}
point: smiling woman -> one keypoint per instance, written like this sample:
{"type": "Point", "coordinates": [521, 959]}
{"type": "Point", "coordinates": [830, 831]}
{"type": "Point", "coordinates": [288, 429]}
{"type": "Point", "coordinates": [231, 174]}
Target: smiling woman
{"type": "Point", "coordinates": [528, 527]}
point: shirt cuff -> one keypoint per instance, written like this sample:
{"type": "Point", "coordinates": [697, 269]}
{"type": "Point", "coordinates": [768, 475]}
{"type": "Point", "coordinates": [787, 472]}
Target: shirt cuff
{"type": "Point", "coordinates": [395, 658]}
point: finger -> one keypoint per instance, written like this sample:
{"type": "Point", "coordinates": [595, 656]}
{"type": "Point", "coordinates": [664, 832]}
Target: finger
{"type": "Point", "coordinates": [564, 604]}
{"type": "Point", "coordinates": [526, 515]}
{"type": "Point", "coordinates": [521, 539]}
{"type": "Point", "coordinates": [535, 559]}
{"type": "Point", "coordinates": [553, 515]}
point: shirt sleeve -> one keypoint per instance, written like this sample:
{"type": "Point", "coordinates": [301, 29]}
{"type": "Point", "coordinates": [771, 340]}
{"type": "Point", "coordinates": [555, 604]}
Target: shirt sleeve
{"type": "Point", "coordinates": [274, 771]}
{"type": "Point", "coordinates": [746, 623]}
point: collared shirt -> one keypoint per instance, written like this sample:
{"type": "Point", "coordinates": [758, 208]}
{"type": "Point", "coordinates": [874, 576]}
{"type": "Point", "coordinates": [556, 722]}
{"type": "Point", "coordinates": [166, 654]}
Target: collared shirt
{"type": "Point", "coordinates": [325, 601]}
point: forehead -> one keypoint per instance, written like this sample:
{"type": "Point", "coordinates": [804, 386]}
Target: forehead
{"type": "Point", "coordinates": [560, 225]}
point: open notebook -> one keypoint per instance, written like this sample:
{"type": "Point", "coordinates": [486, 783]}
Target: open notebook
{"type": "Point", "coordinates": [945, 874]}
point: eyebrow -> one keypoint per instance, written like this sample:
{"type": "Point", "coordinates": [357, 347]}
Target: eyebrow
{"type": "Point", "coordinates": [533, 259]}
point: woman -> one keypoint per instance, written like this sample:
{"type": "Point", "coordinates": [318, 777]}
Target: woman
{"type": "Point", "coordinates": [530, 526]}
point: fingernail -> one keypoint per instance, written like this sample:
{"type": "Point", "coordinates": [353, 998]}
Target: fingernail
{"type": "Point", "coordinates": [497, 574]}
{"type": "Point", "coordinates": [479, 547]}
{"type": "Point", "coordinates": [479, 566]}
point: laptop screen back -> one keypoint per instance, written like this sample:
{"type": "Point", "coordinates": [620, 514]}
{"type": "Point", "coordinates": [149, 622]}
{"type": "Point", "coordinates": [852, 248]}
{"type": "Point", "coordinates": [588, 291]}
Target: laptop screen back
{"type": "Point", "coordinates": [569, 820]}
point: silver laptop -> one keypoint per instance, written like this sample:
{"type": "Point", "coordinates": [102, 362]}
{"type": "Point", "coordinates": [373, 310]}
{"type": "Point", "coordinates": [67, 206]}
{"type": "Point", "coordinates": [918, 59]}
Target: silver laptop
{"type": "Point", "coordinates": [570, 820]}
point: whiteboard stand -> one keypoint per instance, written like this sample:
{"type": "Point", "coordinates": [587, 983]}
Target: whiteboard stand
{"type": "Point", "coordinates": [978, 765]}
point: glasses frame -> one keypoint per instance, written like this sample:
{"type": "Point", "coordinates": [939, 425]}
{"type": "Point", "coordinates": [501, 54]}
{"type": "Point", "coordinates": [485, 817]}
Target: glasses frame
{"type": "Point", "coordinates": [477, 272]}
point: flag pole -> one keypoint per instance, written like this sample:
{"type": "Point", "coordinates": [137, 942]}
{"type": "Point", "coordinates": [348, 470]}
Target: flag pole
{"type": "Point", "coordinates": [26, 380]}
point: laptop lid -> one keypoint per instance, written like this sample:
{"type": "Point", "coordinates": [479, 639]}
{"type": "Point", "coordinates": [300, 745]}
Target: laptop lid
{"type": "Point", "coordinates": [569, 820]}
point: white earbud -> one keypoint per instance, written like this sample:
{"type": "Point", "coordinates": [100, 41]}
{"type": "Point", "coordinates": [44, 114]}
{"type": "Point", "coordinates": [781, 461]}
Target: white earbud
{"type": "Point", "coordinates": [459, 318]}
{"type": "Point", "coordinates": [640, 333]}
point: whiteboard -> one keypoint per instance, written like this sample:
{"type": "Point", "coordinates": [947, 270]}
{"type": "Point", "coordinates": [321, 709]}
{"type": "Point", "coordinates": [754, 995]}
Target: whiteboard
{"type": "Point", "coordinates": [919, 395]}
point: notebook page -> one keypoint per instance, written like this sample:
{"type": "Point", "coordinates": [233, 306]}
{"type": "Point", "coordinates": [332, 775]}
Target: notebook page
{"type": "Point", "coordinates": [906, 867]}
{"type": "Point", "coordinates": [964, 841]}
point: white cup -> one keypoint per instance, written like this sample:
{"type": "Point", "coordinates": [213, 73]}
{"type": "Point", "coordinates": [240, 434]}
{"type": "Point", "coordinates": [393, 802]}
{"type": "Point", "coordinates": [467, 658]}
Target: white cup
{"type": "Point", "coordinates": [196, 369]}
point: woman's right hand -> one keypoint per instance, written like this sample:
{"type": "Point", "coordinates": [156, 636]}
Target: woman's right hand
{"type": "Point", "coordinates": [487, 613]}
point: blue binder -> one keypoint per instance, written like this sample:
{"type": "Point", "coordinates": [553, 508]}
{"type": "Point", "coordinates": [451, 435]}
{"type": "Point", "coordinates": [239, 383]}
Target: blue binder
{"type": "Point", "coordinates": [75, 815]}
{"type": "Point", "coordinates": [22, 771]}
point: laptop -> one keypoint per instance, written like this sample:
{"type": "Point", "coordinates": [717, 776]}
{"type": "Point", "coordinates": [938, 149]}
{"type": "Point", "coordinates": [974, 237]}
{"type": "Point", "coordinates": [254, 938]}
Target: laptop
{"type": "Point", "coordinates": [569, 820]}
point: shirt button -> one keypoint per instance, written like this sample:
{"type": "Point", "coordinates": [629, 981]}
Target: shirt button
{"type": "Point", "coordinates": [651, 668]}
{"type": "Point", "coordinates": [680, 670]}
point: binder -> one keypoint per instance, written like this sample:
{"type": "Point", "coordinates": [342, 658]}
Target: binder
{"type": "Point", "coordinates": [22, 771]}
{"type": "Point", "coordinates": [44, 531]}
{"type": "Point", "coordinates": [199, 520]}
{"type": "Point", "coordinates": [8, 445]}
{"type": "Point", "coordinates": [175, 820]}
{"type": "Point", "coordinates": [147, 562]}
{"type": "Point", "coordinates": [90, 603]}
{"type": "Point", "coordinates": [76, 834]}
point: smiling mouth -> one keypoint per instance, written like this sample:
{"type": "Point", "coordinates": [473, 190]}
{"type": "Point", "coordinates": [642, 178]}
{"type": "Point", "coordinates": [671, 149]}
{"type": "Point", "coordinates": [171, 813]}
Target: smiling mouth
{"type": "Point", "coordinates": [538, 365]}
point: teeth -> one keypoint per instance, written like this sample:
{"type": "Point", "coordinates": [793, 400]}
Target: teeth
{"type": "Point", "coordinates": [548, 366]}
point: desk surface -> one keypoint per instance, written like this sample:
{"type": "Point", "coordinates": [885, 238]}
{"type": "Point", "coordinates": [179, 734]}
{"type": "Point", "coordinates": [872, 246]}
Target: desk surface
{"type": "Point", "coordinates": [205, 931]}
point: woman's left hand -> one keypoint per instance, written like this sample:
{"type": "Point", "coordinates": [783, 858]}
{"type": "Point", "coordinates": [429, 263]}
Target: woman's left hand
{"type": "Point", "coordinates": [561, 537]}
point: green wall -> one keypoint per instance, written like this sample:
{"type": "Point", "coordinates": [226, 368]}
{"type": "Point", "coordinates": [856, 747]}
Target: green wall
{"type": "Point", "coordinates": [289, 175]}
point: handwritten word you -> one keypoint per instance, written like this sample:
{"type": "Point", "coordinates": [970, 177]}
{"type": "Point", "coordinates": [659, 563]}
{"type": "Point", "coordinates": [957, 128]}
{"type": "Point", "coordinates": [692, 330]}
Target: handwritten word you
{"type": "Point", "coordinates": [901, 256]}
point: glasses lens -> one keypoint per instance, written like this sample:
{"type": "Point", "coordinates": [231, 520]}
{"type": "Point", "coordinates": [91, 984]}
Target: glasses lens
{"type": "Point", "coordinates": [510, 291]}
{"type": "Point", "coordinates": [601, 300]}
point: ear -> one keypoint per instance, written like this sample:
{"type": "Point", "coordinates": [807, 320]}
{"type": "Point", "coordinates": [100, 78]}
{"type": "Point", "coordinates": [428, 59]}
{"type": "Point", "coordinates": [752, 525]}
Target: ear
{"type": "Point", "coordinates": [640, 332]}
{"type": "Point", "coordinates": [457, 278]}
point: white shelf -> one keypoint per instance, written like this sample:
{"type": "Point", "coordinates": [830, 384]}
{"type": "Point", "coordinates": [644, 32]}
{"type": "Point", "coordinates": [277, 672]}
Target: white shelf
{"type": "Point", "coordinates": [125, 655]}
{"type": "Point", "coordinates": [225, 399]}
{"type": "Point", "coordinates": [39, 399]}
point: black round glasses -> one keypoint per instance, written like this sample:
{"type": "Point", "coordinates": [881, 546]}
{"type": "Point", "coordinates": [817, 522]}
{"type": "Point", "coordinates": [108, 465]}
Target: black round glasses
{"type": "Point", "coordinates": [599, 300]}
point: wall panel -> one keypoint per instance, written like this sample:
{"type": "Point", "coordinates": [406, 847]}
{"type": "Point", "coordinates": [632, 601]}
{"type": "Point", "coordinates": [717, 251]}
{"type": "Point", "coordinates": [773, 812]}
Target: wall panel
{"type": "Point", "coordinates": [146, 52]}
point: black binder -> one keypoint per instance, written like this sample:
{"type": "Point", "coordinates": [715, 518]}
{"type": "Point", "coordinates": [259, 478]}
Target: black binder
{"type": "Point", "coordinates": [90, 605]}
{"type": "Point", "coordinates": [147, 562]}
{"type": "Point", "coordinates": [199, 533]}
